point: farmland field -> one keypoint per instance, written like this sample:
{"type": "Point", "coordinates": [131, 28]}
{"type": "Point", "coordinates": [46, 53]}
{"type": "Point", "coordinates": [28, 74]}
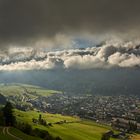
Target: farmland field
{"type": "Point", "coordinates": [73, 129]}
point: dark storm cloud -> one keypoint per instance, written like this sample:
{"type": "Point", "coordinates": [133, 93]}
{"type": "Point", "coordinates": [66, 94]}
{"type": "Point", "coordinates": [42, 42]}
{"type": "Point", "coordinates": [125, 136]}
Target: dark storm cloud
{"type": "Point", "coordinates": [22, 21]}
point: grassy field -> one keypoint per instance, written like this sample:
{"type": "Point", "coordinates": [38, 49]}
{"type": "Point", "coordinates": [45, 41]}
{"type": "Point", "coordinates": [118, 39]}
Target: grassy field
{"type": "Point", "coordinates": [19, 89]}
{"type": "Point", "coordinates": [74, 129]}
{"type": "Point", "coordinates": [4, 137]}
{"type": "Point", "coordinates": [16, 133]}
{"type": "Point", "coordinates": [22, 135]}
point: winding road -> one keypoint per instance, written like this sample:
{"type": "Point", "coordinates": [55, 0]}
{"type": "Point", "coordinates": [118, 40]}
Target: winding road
{"type": "Point", "coordinates": [6, 132]}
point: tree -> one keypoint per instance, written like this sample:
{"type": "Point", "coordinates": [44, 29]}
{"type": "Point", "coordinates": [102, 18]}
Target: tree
{"type": "Point", "coordinates": [132, 126]}
{"type": "Point", "coordinates": [138, 119]}
{"type": "Point", "coordinates": [27, 129]}
{"type": "Point", "coordinates": [58, 138]}
{"type": "Point", "coordinates": [105, 137]}
{"type": "Point", "coordinates": [1, 118]}
{"type": "Point", "coordinates": [40, 117]}
{"type": "Point", "coordinates": [2, 99]}
{"type": "Point", "coordinates": [8, 114]}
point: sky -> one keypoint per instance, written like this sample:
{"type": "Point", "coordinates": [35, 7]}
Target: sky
{"type": "Point", "coordinates": [69, 34]}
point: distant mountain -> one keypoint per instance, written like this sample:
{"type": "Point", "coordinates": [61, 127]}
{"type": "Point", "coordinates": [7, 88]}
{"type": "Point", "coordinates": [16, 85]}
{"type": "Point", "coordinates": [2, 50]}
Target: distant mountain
{"type": "Point", "coordinates": [97, 81]}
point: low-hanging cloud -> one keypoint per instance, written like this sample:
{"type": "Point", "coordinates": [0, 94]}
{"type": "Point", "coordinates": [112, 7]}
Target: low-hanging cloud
{"type": "Point", "coordinates": [107, 56]}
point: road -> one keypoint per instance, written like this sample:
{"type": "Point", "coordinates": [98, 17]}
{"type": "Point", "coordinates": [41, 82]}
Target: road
{"type": "Point", "coordinates": [6, 132]}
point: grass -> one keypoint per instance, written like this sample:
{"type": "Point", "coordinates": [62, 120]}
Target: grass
{"type": "Point", "coordinates": [4, 137]}
{"type": "Point", "coordinates": [18, 89]}
{"type": "Point", "coordinates": [76, 129]}
{"type": "Point", "coordinates": [17, 133]}
{"type": "Point", "coordinates": [22, 135]}
{"type": "Point", "coordinates": [10, 90]}
{"type": "Point", "coordinates": [27, 116]}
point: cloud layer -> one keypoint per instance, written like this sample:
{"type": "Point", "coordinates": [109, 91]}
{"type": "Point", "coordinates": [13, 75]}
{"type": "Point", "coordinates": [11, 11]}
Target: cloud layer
{"type": "Point", "coordinates": [108, 55]}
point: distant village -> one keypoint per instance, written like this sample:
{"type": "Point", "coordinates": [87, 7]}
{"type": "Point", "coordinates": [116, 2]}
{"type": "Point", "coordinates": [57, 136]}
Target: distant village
{"type": "Point", "coordinates": [121, 112]}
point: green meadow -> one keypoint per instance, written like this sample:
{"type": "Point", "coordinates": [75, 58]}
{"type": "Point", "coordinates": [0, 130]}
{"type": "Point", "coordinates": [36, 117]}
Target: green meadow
{"type": "Point", "coordinates": [16, 133]}
{"type": "Point", "coordinates": [19, 89]}
{"type": "Point", "coordinates": [74, 128]}
{"type": "Point", "coordinates": [4, 137]}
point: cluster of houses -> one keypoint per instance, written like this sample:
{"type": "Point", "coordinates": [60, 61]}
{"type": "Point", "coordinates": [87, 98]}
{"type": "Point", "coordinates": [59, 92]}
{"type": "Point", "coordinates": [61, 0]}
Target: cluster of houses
{"type": "Point", "coordinates": [126, 125]}
{"type": "Point", "coordinates": [94, 107]}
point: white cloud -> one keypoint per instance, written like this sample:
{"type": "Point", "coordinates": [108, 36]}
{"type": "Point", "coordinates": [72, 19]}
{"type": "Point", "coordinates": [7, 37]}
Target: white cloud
{"type": "Point", "coordinates": [84, 62]}
{"type": "Point", "coordinates": [107, 56]}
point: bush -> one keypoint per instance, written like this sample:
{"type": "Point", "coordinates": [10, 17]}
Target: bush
{"type": "Point", "coordinates": [105, 137]}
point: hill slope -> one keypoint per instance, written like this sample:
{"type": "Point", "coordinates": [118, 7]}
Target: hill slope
{"type": "Point", "coordinates": [23, 96]}
{"type": "Point", "coordinates": [7, 133]}
{"type": "Point", "coordinates": [71, 128]}
{"type": "Point", "coordinates": [97, 81]}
